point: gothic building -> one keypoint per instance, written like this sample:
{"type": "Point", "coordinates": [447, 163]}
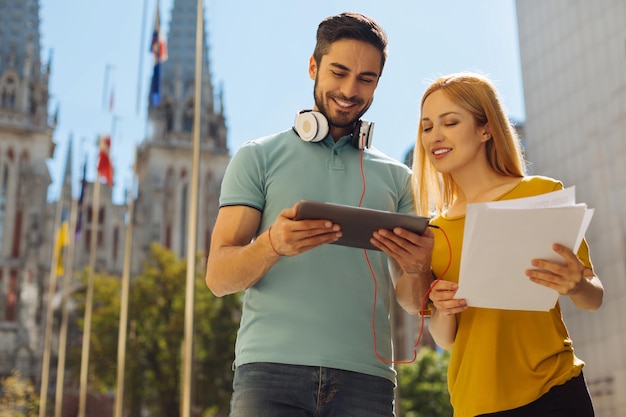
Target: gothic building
{"type": "Point", "coordinates": [573, 59]}
{"type": "Point", "coordinates": [164, 172]}
{"type": "Point", "coordinates": [26, 131]}
{"type": "Point", "coordinates": [164, 160]}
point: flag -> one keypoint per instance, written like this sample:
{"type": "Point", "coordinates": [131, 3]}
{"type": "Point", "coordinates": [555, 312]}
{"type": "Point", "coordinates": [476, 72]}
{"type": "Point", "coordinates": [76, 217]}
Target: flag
{"type": "Point", "coordinates": [61, 242]}
{"type": "Point", "coordinates": [158, 48]}
{"type": "Point", "coordinates": [105, 168]}
{"type": "Point", "coordinates": [81, 198]}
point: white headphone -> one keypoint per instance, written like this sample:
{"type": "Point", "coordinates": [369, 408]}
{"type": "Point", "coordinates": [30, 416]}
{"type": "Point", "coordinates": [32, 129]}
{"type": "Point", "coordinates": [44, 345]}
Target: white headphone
{"type": "Point", "coordinates": [312, 126]}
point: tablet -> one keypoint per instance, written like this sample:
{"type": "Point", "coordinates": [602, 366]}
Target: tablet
{"type": "Point", "coordinates": [358, 223]}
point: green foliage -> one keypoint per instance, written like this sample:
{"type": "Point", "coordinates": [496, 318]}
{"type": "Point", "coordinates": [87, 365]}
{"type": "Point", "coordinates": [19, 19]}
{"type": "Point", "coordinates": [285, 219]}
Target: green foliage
{"type": "Point", "coordinates": [422, 386]}
{"type": "Point", "coordinates": [18, 397]}
{"type": "Point", "coordinates": [156, 319]}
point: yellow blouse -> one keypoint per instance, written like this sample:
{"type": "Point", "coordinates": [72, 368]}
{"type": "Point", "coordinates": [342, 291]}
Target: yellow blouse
{"type": "Point", "coordinates": [503, 359]}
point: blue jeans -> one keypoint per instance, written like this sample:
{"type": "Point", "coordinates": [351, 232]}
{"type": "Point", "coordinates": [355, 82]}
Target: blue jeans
{"type": "Point", "coordinates": [278, 390]}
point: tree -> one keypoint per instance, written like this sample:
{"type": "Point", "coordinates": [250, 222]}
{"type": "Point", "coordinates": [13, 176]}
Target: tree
{"type": "Point", "coordinates": [156, 331]}
{"type": "Point", "coordinates": [422, 385]}
{"type": "Point", "coordinates": [18, 397]}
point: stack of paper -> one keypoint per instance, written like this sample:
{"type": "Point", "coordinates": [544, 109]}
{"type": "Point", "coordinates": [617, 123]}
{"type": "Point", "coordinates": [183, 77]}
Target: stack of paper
{"type": "Point", "coordinates": [501, 238]}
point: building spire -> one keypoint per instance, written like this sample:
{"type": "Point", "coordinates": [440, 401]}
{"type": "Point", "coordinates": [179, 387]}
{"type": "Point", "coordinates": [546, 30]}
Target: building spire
{"type": "Point", "coordinates": [181, 60]}
{"type": "Point", "coordinates": [24, 85]}
{"type": "Point", "coordinates": [173, 116]}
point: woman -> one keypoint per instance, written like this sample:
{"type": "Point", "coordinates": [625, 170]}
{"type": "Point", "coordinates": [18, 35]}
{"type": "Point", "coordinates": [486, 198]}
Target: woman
{"type": "Point", "coordinates": [504, 362]}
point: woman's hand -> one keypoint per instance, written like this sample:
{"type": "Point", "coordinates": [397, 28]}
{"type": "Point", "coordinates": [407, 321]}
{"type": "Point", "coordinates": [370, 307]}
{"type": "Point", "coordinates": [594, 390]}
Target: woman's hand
{"type": "Point", "coordinates": [570, 277]}
{"type": "Point", "coordinates": [565, 277]}
{"type": "Point", "coordinates": [442, 295]}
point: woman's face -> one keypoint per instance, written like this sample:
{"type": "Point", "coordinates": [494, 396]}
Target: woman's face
{"type": "Point", "coordinates": [450, 137]}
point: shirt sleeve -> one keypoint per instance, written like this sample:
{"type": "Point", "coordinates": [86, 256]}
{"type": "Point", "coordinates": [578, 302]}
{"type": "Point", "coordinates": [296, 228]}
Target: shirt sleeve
{"type": "Point", "coordinates": [244, 179]}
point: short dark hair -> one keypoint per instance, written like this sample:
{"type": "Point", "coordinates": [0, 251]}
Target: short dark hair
{"type": "Point", "coordinates": [350, 26]}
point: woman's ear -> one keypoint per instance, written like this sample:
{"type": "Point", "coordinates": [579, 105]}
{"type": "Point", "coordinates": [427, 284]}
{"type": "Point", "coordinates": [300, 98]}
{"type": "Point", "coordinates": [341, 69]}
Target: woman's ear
{"type": "Point", "coordinates": [486, 133]}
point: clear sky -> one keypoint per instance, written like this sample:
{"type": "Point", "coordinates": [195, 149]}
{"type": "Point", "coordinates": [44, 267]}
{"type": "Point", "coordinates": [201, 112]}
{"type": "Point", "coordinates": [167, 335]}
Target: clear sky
{"type": "Point", "coordinates": [258, 52]}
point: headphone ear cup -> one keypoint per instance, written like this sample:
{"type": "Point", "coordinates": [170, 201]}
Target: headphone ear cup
{"type": "Point", "coordinates": [311, 126]}
{"type": "Point", "coordinates": [362, 134]}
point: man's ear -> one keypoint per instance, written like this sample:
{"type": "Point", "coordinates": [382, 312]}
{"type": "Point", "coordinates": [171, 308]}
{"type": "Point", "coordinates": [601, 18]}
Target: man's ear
{"type": "Point", "coordinates": [312, 68]}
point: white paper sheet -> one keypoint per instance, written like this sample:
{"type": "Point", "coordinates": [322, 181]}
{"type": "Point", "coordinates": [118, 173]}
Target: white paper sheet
{"type": "Point", "coordinates": [500, 240]}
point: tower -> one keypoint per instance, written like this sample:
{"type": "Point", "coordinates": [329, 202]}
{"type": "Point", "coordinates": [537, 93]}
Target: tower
{"type": "Point", "coordinates": [164, 158]}
{"type": "Point", "coordinates": [25, 144]}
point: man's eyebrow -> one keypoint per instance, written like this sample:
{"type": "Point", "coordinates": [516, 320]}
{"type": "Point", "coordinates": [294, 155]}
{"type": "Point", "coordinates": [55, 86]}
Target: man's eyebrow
{"type": "Point", "coordinates": [344, 68]}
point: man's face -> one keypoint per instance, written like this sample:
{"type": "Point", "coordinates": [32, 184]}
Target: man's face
{"type": "Point", "coordinates": [345, 81]}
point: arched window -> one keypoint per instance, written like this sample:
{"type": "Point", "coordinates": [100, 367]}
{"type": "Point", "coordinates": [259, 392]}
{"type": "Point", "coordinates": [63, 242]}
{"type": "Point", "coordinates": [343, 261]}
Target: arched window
{"type": "Point", "coordinates": [8, 92]}
{"type": "Point", "coordinates": [169, 117]}
{"type": "Point", "coordinates": [188, 116]}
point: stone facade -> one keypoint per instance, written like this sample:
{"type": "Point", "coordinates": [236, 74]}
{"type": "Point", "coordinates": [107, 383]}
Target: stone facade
{"type": "Point", "coordinates": [573, 56]}
{"type": "Point", "coordinates": [26, 131]}
{"type": "Point", "coordinates": [28, 222]}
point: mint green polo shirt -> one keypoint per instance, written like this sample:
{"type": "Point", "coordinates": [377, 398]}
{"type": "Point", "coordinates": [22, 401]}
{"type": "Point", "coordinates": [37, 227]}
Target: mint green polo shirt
{"type": "Point", "coordinates": [317, 308]}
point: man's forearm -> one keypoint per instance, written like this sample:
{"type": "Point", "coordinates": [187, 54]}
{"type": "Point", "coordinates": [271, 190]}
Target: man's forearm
{"type": "Point", "coordinates": [231, 269]}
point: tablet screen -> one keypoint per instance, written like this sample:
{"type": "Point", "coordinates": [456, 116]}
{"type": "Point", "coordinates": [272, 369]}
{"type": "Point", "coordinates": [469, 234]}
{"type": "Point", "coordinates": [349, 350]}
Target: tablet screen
{"type": "Point", "coordinates": [358, 223]}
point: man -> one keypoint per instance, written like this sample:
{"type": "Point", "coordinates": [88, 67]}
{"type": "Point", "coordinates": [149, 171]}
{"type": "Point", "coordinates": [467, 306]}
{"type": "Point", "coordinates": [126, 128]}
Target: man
{"type": "Point", "coordinates": [315, 336]}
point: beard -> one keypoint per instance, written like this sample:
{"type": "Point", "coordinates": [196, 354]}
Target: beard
{"type": "Point", "coordinates": [340, 120]}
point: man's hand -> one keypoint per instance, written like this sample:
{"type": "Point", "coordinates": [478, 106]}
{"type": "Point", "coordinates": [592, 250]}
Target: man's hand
{"type": "Point", "coordinates": [290, 237]}
{"type": "Point", "coordinates": [411, 251]}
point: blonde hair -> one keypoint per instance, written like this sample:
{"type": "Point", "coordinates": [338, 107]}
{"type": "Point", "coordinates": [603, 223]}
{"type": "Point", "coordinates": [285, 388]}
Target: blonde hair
{"type": "Point", "coordinates": [434, 192]}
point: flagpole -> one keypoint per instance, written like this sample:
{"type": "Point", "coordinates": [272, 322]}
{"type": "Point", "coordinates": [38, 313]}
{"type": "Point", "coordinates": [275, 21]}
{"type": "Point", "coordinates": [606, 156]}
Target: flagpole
{"type": "Point", "coordinates": [141, 52]}
{"type": "Point", "coordinates": [67, 283]}
{"type": "Point", "coordinates": [114, 121]}
{"type": "Point", "coordinates": [84, 364]}
{"type": "Point", "coordinates": [47, 346]}
{"type": "Point", "coordinates": [105, 87]}
{"type": "Point", "coordinates": [123, 328]}
{"type": "Point", "coordinates": [192, 227]}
